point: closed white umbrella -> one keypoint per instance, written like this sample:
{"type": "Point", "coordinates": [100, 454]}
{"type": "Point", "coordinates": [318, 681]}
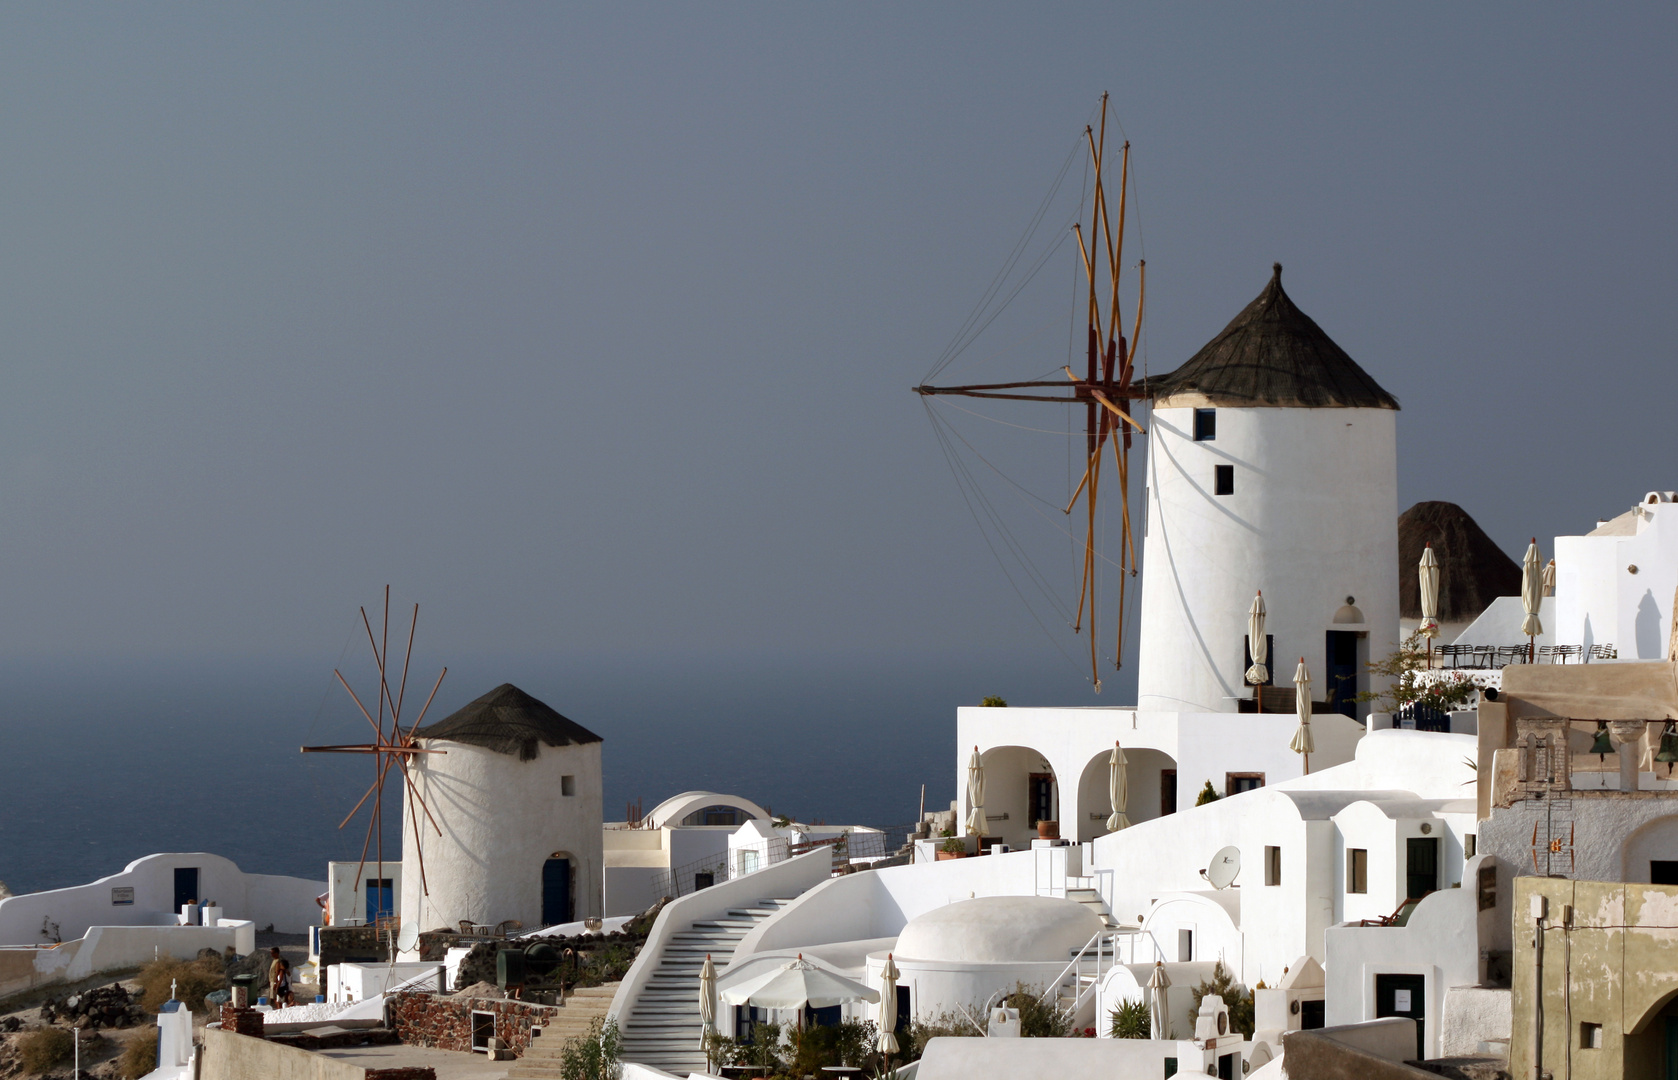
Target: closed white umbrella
{"type": "Point", "coordinates": [1427, 577]}
{"type": "Point", "coordinates": [795, 985]}
{"type": "Point", "coordinates": [886, 1018]}
{"type": "Point", "coordinates": [1118, 789]}
{"type": "Point", "coordinates": [976, 794]}
{"type": "Point", "coordinates": [1160, 984]}
{"type": "Point", "coordinates": [707, 1000]}
{"type": "Point", "coordinates": [1258, 674]}
{"type": "Point", "coordinates": [1302, 742]}
{"type": "Point", "coordinates": [1532, 595]}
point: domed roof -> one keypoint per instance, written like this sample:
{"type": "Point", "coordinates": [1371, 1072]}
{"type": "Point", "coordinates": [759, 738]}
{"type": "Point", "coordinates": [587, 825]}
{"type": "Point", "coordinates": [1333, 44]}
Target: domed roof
{"type": "Point", "coordinates": [1272, 354]}
{"type": "Point", "coordinates": [999, 930]}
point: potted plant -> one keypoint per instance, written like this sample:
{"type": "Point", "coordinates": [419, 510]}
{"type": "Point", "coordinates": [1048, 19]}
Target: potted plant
{"type": "Point", "coordinates": [954, 847]}
{"type": "Point", "coordinates": [1048, 830]}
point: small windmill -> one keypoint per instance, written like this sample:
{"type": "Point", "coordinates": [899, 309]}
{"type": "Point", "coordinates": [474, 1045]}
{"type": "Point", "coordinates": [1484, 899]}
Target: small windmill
{"type": "Point", "coordinates": [1106, 389]}
{"type": "Point", "coordinates": [388, 748]}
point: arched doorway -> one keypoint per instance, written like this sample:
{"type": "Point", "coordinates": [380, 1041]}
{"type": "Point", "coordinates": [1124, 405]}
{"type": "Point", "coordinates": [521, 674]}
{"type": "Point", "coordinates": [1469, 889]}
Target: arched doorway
{"type": "Point", "coordinates": [1020, 788]}
{"type": "Point", "coordinates": [1150, 777]}
{"type": "Point", "coordinates": [558, 884]}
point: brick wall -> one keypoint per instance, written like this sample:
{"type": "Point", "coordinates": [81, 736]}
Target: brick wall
{"type": "Point", "coordinates": [243, 1020]}
{"type": "Point", "coordinates": [446, 1023]}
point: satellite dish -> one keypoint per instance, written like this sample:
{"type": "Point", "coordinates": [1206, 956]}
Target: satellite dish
{"type": "Point", "coordinates": [408, 939]}
{"type": "Point", "coordinates": [1226, 864]}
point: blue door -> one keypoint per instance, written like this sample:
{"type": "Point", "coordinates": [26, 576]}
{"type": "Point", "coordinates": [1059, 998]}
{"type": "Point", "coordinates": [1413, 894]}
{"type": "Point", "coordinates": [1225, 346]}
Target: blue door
{"type": "Point", "coordinates": [1341, 686]}
{"type": "Point", "coordinates": [556, 891]}
{"type": "Point", "coordinates": [186, 886]}
{"type": "Point", "coordinates": [380, 900]}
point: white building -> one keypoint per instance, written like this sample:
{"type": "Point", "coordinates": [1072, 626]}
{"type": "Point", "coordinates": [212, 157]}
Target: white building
{"type": "Point", "coordinates": [516, 793]}
{"type": "Point", "coordinates": [1615, 584]}
{"type": "Point", "coordinates": [1272, 466]}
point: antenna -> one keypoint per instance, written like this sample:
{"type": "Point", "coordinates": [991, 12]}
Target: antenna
{"type": "Point", "coordinates": [1226, 864]}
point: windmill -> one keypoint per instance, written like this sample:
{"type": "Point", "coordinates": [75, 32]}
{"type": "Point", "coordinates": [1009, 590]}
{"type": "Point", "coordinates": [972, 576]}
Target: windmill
{"type": "Point", "coordinates": [392, 747]}
{"type": "Point", "coordinates": [1105, 389]}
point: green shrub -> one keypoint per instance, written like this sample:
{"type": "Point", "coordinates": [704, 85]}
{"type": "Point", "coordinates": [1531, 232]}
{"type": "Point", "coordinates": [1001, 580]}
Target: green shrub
{"type": "Point", "coordinates": [1129, 1021]}
{"type": "Point", "coordinates": [192, 980]}
{"type": "Point", "coordinates": [44, 1048]}
{"type": "Point", "coordinates": [1240, 1003]}
{"type": "Point", "coordinates": [1206, 795]}
{"type": "Point", "coordinates": [1038, 1019]}
{"type": "Point", "coordinates": [593, 1056]}
{"type": "Point", "coordinates": [139, 1058]}
{"type": "Point", "coordinates": [993, 702]}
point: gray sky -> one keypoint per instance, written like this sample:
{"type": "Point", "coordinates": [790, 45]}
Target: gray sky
{"type": "Point", "coordinates": [593, 328]}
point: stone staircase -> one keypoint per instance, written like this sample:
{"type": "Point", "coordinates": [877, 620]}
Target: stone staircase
{"type": "Point", "coordinates": [1092, 900]}
{"type": "Point", "coordinates": [582, 1007]}
{"type": "Point", "coordinates": [662, 1028]}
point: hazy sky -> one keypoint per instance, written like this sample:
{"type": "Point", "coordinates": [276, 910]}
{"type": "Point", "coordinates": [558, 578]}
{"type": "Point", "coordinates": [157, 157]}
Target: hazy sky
{"type": "Point", "coordinates": [592, 328]}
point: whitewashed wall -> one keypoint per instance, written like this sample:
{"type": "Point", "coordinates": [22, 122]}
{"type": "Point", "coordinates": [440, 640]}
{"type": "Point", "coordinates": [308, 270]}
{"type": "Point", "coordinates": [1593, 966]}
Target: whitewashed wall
{"type": "Point", "coordinates": [286, 902]}
{"type": "Point", "coordinates": [1600, 600]}
{"type": "Point", "coordinates": [501, 818]}
{"type": "Point", "coordinates": [1312, 521]}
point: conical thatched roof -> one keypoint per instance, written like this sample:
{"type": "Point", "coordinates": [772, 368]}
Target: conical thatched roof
{"type": "Point", "coordinates": [1473, 571]}
{"type": "Point", "coordinates": [1271, 354]}
{"type": "Point", "coordinates": [509, 721]}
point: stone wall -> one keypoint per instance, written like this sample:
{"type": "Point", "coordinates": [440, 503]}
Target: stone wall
{"type": "Point", "coordinates": [446, 1023]}
{"type": "Point", "coordinates": [341, 943]}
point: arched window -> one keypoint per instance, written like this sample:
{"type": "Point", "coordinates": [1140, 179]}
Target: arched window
{"type": "Point", "coordinates": [719, 815]}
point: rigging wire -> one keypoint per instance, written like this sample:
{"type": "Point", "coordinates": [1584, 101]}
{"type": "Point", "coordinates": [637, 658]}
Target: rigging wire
{"type": "Point", "coordinates": [963, 337]}
{"type": "Point", "coordinates": [952, 461]}
{"type": "Point", "coordinates": [1000, 525]}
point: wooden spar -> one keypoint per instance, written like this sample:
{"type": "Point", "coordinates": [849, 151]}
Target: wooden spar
{"type": "Point", "coordinates": [407, 657]}
{"type": "Point", "coordinates": [1124, 188]}
{"type": "Point", "coordinates": [359, 705]}
{"type": "Point", "coordinates": [1107, 387]}
{"type": "Point", "coordinates": [370, 748]}
{"type": "Point", "coordinates": [421, 717]}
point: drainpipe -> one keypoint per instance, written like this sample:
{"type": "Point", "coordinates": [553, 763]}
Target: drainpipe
{"type": "Point", "coordinates": [1539, 904]}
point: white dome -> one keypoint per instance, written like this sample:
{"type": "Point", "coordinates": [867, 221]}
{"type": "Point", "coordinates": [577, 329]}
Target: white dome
{"type": "Point", "coordinates": [999, 930]}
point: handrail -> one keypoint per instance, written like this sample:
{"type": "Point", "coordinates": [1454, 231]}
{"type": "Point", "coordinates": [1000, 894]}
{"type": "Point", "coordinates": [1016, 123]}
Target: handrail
{"type": "Point", "coordinates": [1059, 980]}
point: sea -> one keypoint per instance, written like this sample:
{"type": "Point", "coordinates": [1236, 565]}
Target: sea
{"type": "Point", "coordinates": [102, 763]}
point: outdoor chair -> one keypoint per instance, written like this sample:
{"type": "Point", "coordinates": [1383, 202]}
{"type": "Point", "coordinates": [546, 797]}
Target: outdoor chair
{"type": "Point", "coordinates": [1511, 654]}
{"type": "Point", "coordinates": [1448, 654]}
{"type": "Point", "coordinates": [1602, 652]}
{"type": "Point", "coordinates": [1560, 653]}
{"type": "Point", "coordinates": [1485, 656]}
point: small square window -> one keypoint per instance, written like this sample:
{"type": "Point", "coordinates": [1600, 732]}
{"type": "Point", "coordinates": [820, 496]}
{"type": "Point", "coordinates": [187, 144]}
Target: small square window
{"type": "Point", "coordinates": [1205, 425]}
{"type": "Point", "coordinates": [1357, 870]}
{"type": "Point", "coordinates": [1590, 1036]}
{"type": "Point", "coordinates": [1225, 480]}
{"type": "Point", "coordinates": [1185, 946]}
{"type": "Point", "coordinates": [1663, 872]}
{"type": "Point", "coordinates": [568, 785]}
{"type": "Point", "coordinates": [1273, 865]}
{"type": "Point", "coordinates": [1237, 782]}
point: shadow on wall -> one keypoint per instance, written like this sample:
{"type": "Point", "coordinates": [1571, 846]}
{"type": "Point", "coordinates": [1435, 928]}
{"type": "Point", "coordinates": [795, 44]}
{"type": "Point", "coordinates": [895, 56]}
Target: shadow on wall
{"type": "Point", "coordinates": [1649, 645]}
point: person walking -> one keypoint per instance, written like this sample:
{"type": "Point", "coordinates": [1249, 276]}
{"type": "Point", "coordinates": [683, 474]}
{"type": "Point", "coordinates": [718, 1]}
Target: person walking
{"type": "Point", "coordinates": [279, 980]}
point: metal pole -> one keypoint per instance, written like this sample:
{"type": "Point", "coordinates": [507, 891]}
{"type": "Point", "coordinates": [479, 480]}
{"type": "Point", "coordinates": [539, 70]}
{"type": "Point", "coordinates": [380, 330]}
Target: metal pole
{"type": "Point", "coordinates": [1538, 908]}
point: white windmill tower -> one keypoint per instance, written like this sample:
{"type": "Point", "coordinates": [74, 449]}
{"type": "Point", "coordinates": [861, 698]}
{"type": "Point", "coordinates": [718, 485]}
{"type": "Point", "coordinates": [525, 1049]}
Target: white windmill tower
{"type": "Point", "coordinates": [517, 800]}
{"type": "Point", "coordinates": [1272, 465]}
